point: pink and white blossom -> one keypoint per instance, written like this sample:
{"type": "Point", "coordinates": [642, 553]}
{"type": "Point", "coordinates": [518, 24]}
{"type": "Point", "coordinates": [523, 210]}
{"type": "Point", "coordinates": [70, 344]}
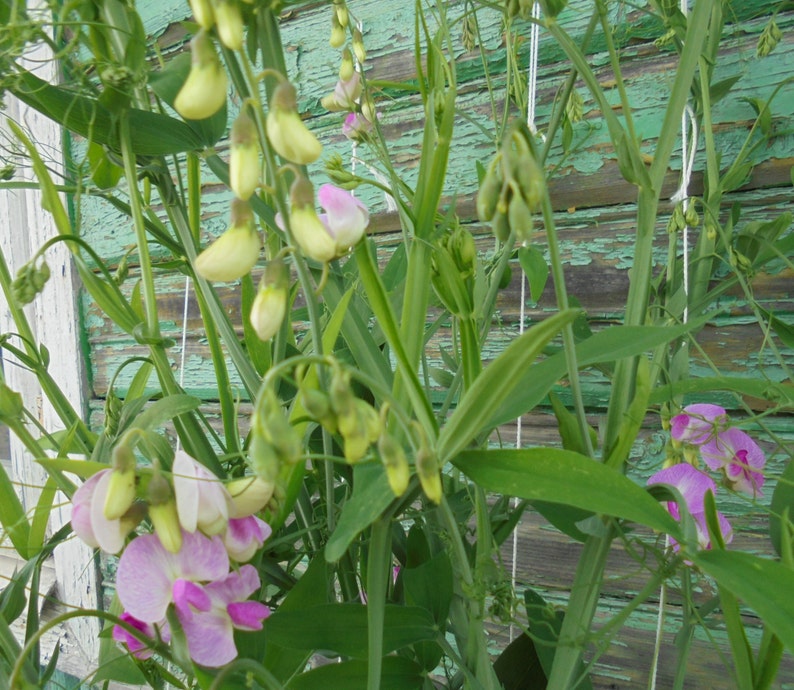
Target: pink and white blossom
{"type": "Point", "coordinates": [739, 457]}
{"type": "Point", "coordinates": [136, 647]}
{"type": "Point", "coordinates": [345, 217]}
{"type": "Point", "coordinates": [202, 500]}
{"type": "Point", "coordinates": [150, 578]}
{"type": "Point", "coordinates": [698, 423]}
{"type": "Point", "coordinates": [88, 515]}
{"type": "Point", "coordinates": [209, 627]}
{"type": "Point", "coordinates": [693, 485]}
{"type": "Point", "coordinates": [244, 537]}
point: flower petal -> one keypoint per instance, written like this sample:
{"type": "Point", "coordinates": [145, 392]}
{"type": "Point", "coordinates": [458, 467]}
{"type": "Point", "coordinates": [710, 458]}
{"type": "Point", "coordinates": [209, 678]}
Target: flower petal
{"type": "Point", "coordinates": [143, 579]}
{"type": "Point", "coordinates": [247, 615]}
{"type": "Point", "coordinates": [210, 638]}
{"type": "Point", "coordinates": [698, 423]}
{"type": "Point", "coordinates": [690, 482]}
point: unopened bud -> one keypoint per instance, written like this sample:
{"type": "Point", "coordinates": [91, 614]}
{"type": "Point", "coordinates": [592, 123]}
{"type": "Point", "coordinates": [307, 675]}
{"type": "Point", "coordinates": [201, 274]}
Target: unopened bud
{"type": "Point", "coordinates": [490, 190]}
{"type": "Point", "coordinates": [307, 229]}
{"type": "Point", "coordinates": [429, 475]}
{"type": "Point", "coordinates": [398, 471]}
{"type": "Point", "coordinates": [318, 406]}
{"type": "Point", "coordinates": [358, 47]}
{"type": "Point", "coordinates": [249, 495]}
{"type": "Point", "coordinates": [202, 13]}
{"type": "Point", "coordinates": [519, 218]}
{"type": "Point", "coordinates": [163, 513]}
{"type": "Point", "coordinates": [500, 227]}
{"type": "Point", "coordinates": [574, 108]}
{"type": "Point", "coordinates": [338, 35]}
{"type": "Point", "coordinates": [204, 92]}
{"type": "Point", "coordinates": [346, 69]}
{"type": "Point", "coordinates": [121, 486]}
{"type": "Point", "coordinates": [342, 15]}
{"type": "Point", "coordinates": [270, 303]}
{"type": "Point", "coordinates": [229, 21]}
{"type": "Point", "coordinates": [691, 216]}
{"type": "Point", "coordinates": [235, 252]}
{"type": "Point", "coordinates": [244, 165]}
{"type": "Point", "coordinates": [769, 38]}
{"type": "Point", "coordinates": [286, 131]}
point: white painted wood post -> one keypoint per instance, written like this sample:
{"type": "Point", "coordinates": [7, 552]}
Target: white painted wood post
{"type": "Point", "coordinates": [54, 318]}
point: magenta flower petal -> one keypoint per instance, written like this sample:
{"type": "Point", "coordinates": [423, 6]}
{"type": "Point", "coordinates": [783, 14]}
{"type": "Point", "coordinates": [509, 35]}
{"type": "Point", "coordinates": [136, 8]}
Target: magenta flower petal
{"type": "Point", "coordinates": [210, 634]}
{"type": "Point", "coordinates": [137, 648]}
{"type": "Point", "coordinates": [210, 638]}
{"type": "Point", "coordinates": [703, 533]}
{"type": "Point", "coordinates": [698, 423]}
{"type": "Point", "coordinates": [741, 458]}
{"type": "Point", "coordinates": [245, 536]}
{"type": "Point", "coordinates": [247, 615]}
{"type": "Point", "coordinates": [189, 596]}
{"type": "Point", "coordinates": [691, 483]}
{"type": "Point", "coordinates": [147, 571]}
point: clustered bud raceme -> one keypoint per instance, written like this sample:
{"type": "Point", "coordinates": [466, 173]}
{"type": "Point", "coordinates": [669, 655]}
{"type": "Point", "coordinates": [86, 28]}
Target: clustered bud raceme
{"type": "Point", "coordinates": [30, 281]}
{"type": "Point", "coordinates": [236, 251]}
{"type": "Point", "coordinates": [201, 528]}
{"type": "Point", "coordinates": [512, 189]}
{"type": "Point", "coordinates": [703, 432]}
{"type": "Point", "coordinates": [204, 92]}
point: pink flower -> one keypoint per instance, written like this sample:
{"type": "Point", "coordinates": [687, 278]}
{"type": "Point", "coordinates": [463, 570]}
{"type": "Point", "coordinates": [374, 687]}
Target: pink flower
{"type": "Point", "coordinates": [698, 423]}
{"type": "Point", "coordinates": [692, 484]}
{"type": "Point", "coordinates": [149, 577]}
{"type": "Point", "coordinates": [345, 95]}
{"type": "Point", "coordinates": [356, 126]}
{"type": "Point", "coordinates": [202, 501]}
{"type": "Point", "coordinates": [209, 627]}
{"type": "Point", "coordinates": [346, 218]}
{"type": "Point", "coordinates": [137, 648]}
{"type": "Point", "coordinates": [88, 515]}
{"type": "Point", "coordinates": [739, 457]}
{"type": "Point", "coordinates": [244, 537]}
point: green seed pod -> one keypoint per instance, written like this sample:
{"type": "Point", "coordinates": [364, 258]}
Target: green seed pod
{"type": "Point", "coordinates": [520, 219]}
{"type": "Point", "coordinates": [500, 227]}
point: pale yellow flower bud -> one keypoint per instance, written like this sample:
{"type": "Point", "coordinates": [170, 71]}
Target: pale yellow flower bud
{"type": "Point", "coordinates": [347, 69]}
{"type": "Point", "coordinates": [204, 92]}
{"type": "Point", "coordinates": [358, 47]}
{"type": "Point", "coordinates": [163, 513]}
{"type": "Point", "coordinates": [342, 14]}
{"type": "Point", "coordinates": [270, 303]}
{"type": "Point", "coordinates": [289, 136]}
{"type": "Point", "coordinates": [202, 13]}
{"type": "Point", "coordinates": [229, 21]}
{"type": "Point", "coordinates": [429, 475]}
{"type": "Point", "coordinates": [338, 36]}
{"type": "Point", "coordinates": [244, 165]}
{"type": "Point", "coordinates": [121, 486]}
{"type": "Point", "coordinates": [235, 252]}
{"type": "Point", "coordinates": [395, 462]}
{"type": "Point", "coordinates": [308, 230]}
{"type": "Point", "coordinates": [249, 495]}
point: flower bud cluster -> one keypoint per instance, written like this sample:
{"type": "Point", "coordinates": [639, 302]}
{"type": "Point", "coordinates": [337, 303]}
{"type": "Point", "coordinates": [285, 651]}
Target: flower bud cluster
{"type": "Point", "coordinates": [522, 8]}
{"type": "Point", "coordinates": [512, 188]}
{"type": "Point", "coordinates": [703, 433]}
{"type": "Point", "coordinates": [201, 527]}
{"type": "Point", "coordinates": [454, 263]}
{"type": "Point", "coordinates": [769, 38]}
{"type": "Point", "coordinates": [30, 281]}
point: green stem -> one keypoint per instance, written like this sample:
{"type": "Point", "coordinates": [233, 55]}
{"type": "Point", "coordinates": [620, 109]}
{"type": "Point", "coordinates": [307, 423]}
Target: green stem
{"type": "Point", "coordinates": [378, 568]}
{"type": "Point", "coordinates": [581, 609]}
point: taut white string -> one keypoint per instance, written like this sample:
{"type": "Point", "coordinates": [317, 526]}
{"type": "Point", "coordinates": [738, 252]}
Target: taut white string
{"type": "Point", "coordinates": [688, 129]}
{"type": "Point", "coordinates": [532, 95]}
{"type": "Point", "coordinates": [184, 344]}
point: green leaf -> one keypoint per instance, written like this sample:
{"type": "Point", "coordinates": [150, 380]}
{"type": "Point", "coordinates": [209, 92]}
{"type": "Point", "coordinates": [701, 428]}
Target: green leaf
{"type": "Point", "coordinates": [342, 628]}
{"type": "Point", "coordinates": [718, 90]}
{"type": "Point", "coordinates": [371, 496]}
{"type": "Point", "coordinates": [12, 516]}
{"type": "Point", "coordinates": [736, 176]}
{"type": "Point", "coordinates": [429, 586]}
{"type": "Point", "coordinates": [760, 583]}
{"type": "Point", "coordinates": [534, 265]}
{"type": "Point", "coordinates": [763, 114]}
{"type": "Point", "coordinates": [104, 172]}
{"type": "Point", "coordinates": [495, 384]}
{"type": "Point", "coordinates": [783, 330]}
{"type": "Point", "coordinates": [782, 498]}
{"type": "Point", "coordinates": [398, 673]}
{"type": "Point", "coordinates": [562, 476]}
{"type": "Point", "coordinates": [164, 410]}
{"type": "Point", "coordinates": [608, 345]}
{"type": "Point", "coordinates": [310, 591]}
{"type": "Point", "coordinates": [152, 134]}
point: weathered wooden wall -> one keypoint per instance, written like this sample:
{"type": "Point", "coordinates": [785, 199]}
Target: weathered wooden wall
{"type": "Point", "coordinates": [595, 213]}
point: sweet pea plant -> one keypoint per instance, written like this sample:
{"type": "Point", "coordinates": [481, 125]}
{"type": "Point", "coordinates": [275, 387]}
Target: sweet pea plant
{"type": "Point", "coordinates": [358, 512]}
